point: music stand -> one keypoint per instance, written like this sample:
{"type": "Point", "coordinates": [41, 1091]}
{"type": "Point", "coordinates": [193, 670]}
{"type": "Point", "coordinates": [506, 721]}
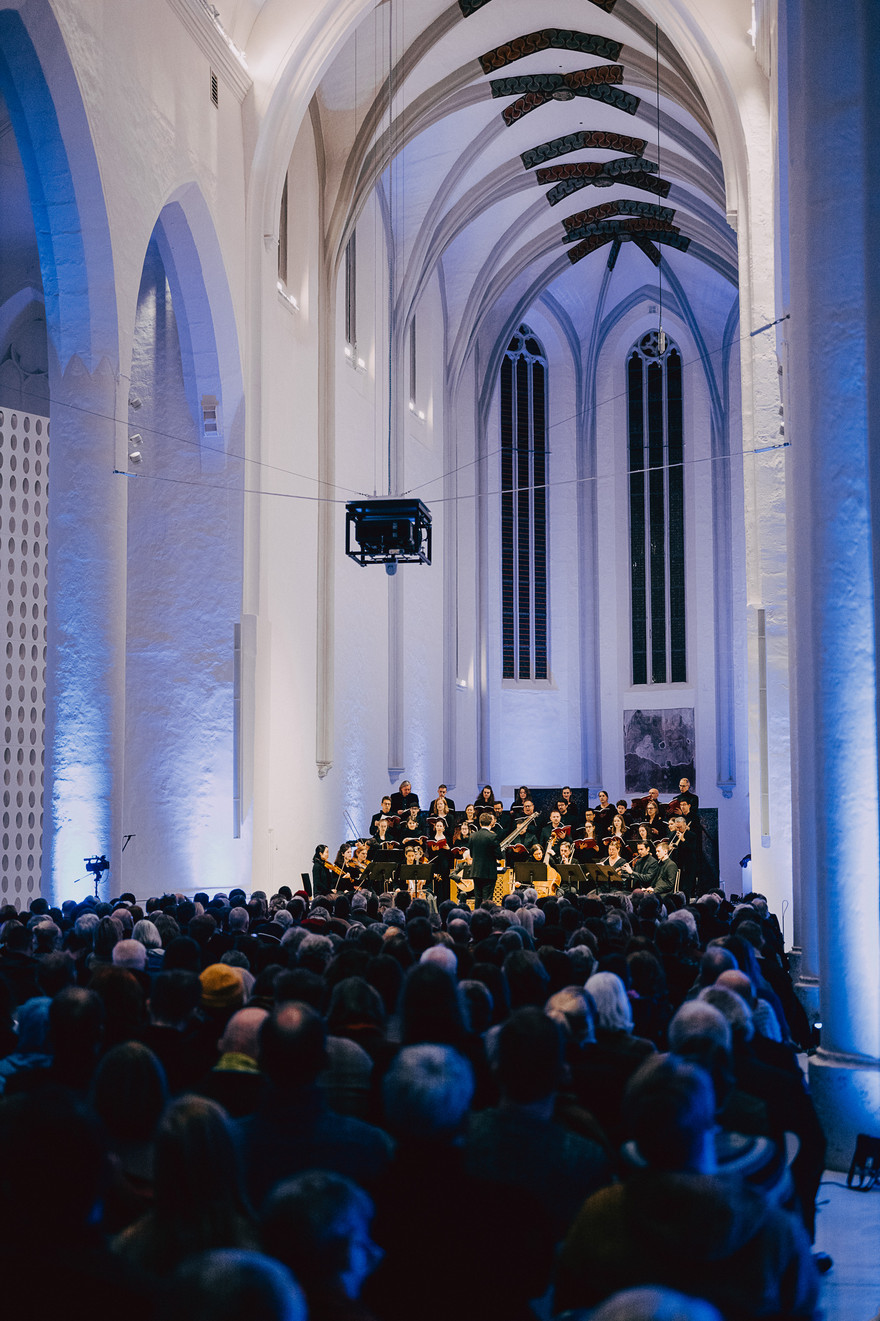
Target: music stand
{"type": "Point", "coordinates": [571, 876]}
{"type": "Point", "coordinates": [529, 873]}
{"type": "Point", "coordinates": [601, 877]}
{"type": "Point", "coordinates": [420, 872]}
{"type": "Point", "coordinates": [379, 872]}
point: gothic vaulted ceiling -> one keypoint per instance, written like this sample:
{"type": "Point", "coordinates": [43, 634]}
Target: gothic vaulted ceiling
{"type": "Point", "coordinates": [526, 150]}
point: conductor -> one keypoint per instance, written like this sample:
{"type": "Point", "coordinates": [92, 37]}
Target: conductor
{"type": "Point", "coordinates": [485, 854]}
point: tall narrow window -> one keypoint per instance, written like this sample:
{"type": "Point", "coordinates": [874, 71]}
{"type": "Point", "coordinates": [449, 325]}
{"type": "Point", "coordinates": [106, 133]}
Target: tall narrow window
{"type": "Point", "coordinates": [351, 292]}
{"type": "Point", "coordinates": [524, 509]}
{"type": "Point", "coordinates": [656, 512]}
{"type": "Point", "coordinates": [282, 236]}
{"type": "Point", "coordinates": [413, 364]}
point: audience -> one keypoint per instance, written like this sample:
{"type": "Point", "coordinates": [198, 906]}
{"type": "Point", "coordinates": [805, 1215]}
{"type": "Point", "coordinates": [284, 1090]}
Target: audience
{"type": "Point", "coordinates": [353, 1108]}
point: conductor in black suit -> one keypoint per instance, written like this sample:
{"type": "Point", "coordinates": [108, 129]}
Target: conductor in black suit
{"type": "Point", "coordinates": [485, 855]}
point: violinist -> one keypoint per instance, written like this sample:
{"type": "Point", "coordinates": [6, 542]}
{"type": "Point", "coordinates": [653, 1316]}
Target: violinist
{"type": "Point", "coordinates": [356, 862]}
{"type": "Point", "coordinates": [324, 873]}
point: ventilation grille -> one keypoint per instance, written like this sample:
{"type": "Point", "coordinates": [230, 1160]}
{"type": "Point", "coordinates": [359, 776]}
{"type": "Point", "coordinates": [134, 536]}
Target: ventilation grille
{"type": "Point", "coordinates": [24, 465]}
{"type": "Point", "coordinates": [215, 89]}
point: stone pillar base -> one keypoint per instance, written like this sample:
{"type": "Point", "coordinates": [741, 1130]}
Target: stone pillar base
{"type": "Point", "coordinates": [806, 987]}
{"type": "Point", "coordinates": [846, 1092]}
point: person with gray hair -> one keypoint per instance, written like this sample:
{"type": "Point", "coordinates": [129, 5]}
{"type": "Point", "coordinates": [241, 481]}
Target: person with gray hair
{"type": "Point", "coordinates": [696, 1025]}
{"type": "Point", "coordinates": [653, 1304]}
{"type": "Point", "coordinates": [238, 921]}
{"type": "Point", "coordinates": [429, 1193]}
{"type": "Point", "coordinates": [443, 956]}
{"type": "Point", "coordinates": [602, 1070]}
{"type": "Point", "coordinates": [130, 954]}
{"type": "Point", "coordinates": [427, 1093]}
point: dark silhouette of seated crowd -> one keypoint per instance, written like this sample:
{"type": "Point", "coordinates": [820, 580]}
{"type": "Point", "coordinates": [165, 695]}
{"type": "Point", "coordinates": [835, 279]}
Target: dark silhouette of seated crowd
{"type": "Point", "coordinates": [368, 1107]}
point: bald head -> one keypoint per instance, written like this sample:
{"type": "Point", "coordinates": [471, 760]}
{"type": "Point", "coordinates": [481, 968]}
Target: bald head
{"type": "Point", "coordinates": [737, 981]}
{"type": "Point", "coordinates": [242, 1034]}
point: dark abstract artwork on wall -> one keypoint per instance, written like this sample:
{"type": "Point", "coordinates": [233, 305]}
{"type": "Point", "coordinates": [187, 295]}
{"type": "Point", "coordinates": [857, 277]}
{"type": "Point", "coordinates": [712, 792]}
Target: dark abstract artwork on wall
{"type": "Point", "coordinates": [658, 749]}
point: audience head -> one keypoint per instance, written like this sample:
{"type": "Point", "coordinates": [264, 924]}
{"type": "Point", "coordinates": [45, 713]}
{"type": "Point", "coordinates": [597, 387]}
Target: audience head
{"type": "Point", "coordinates": [613, 1009]}
{"type": "Point", "coordinates": [241, 1036]}
{"type": "Point", "coordinates": [669, 1108]}
{"type": "Point", "coordinates": [734, 1009]}
{"type": "Point", "coordinates": [572, 1009]}
{"type": "Point", "coordinates": [698, 1026]}
{"type": "Point", "coordinates": [232, 1285]}
{"type": "Point", "coordinates": [426, 1093]}
{"type": "Point", "coordinates": [529, 1061]}
{"type": "Point", "coordinates": [293, 1046]}
{"type": "Point", "coordinates": [654, 1303]}
{"type": "Point", "coordinates": [129, 1092]}
{"type": "Point", "coordinates": [131, 954]}
{"type": "Point", "coordinates": [318, 1225]}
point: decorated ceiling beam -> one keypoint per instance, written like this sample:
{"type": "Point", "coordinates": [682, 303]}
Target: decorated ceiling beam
{"type": "Point", "coordinates": [635, 172]}
{"type": "Point", "coordinates": [536, 89]}
{"type": "Point", "coordinates": [636, 225]}
{"type": "Point", "coordinates": [576, 226]}
{"type": "Point", "coordinates": [583, 139]}
{"type": "Point", "coordinates": [549, 39]}
{"type": "Point", "coordinates": [469, 7]}
{"type": "Point", "coordinates": [588, 245]}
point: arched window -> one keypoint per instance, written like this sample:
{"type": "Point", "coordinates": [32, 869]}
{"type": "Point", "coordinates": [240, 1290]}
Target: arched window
{"type": "Point", "coordinates": [524, 509]}
{"type": "Point", "coordinates": [656, 512]}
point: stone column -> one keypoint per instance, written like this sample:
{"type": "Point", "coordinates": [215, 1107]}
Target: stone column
{"type": "Point", "coordinates": [85, 663]}
{"type": "Point", "coordinates": [833, 55]}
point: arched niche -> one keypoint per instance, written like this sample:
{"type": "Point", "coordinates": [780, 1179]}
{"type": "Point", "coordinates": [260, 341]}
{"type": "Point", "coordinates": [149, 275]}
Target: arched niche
{"type": "Point", "coordinates": [85, 575]}
{"type": "Point", "coordinates": [184, 560]}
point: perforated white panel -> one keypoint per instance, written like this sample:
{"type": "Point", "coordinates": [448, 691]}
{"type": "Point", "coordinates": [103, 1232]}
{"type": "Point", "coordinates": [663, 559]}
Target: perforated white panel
{"type": "Point", "coordinates": [24, 464]}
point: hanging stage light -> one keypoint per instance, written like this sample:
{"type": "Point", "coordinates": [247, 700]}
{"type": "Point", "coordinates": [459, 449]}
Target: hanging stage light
{"type": "Point", "coordinates": [388, 532]}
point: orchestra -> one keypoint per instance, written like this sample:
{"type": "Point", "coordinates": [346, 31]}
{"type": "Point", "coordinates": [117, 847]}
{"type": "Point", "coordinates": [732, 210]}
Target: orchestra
{"type": "Point", "coordinates": [642, 844]}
